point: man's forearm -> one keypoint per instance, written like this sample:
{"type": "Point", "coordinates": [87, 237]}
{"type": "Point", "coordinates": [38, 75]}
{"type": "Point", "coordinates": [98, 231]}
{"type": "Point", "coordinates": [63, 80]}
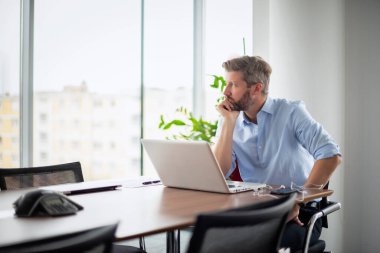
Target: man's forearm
{"type": "Point", "coordinates": [223, 148]}
{"type": "Point", "coordinates": [322, 171]}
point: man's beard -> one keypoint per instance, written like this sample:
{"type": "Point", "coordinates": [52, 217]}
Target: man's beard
{"type": "Point", "coordinates": [243, 104]}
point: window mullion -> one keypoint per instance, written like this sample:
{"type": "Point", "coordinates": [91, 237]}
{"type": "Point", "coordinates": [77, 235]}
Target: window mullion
{"type": "Point", "coordinates": [198, 61]}
{"type": "Point", "coordinates": [26, 83]}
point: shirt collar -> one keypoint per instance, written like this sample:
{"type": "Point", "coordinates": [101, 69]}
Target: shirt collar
{"type": "Point", "coordinates": [267, 108]}
{"type": "Point", "coordinates": [241, 120]}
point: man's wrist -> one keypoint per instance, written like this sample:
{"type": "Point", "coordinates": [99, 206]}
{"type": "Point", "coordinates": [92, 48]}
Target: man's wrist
{"type": "Point", "coordinates": [229, 122]}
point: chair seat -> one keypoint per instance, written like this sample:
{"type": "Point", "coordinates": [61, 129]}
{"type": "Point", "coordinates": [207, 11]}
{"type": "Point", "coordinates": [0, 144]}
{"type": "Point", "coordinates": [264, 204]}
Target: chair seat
{"type": "Point", "coordinates": [317, 247]}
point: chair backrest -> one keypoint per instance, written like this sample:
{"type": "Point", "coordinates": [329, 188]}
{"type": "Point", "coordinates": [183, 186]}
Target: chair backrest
{"type": "Point", "coordinates": [17, 178]}
{"type": "Point", "coordinates": [97, 240]}
{"type": "Point", "coordinates": [256, 228]}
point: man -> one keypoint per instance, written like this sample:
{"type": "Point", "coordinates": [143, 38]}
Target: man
{"type": "Point", "coordinates": [273, 141]}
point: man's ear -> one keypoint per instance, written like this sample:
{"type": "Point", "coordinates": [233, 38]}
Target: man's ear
{"type": "Point", "coordinates": [257, 89]}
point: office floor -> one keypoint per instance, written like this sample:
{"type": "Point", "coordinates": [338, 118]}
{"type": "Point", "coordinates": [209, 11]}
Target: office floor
{"type": "Point", "coordinates": [157, 243]}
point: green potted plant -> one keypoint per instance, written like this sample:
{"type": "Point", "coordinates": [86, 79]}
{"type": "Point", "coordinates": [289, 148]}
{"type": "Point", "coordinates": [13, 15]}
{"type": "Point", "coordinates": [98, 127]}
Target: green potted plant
{"type": "Point", "coordinates": [190, 127]}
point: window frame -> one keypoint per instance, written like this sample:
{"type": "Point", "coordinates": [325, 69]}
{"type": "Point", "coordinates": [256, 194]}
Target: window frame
{"type": "Point", "coordinates": [26, 75]}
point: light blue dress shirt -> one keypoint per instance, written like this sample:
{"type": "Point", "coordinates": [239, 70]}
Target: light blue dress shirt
{"type": "Point", "coordinates": [282, 147]}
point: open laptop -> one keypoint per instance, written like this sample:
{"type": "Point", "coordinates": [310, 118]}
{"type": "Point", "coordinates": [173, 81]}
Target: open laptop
{"type": "Point", "coordinates": [191, 165]}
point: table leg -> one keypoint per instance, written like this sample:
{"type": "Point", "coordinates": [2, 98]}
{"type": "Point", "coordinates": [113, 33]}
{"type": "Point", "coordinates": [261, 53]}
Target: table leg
{"type": "Point", "coordinates": [173, 241]}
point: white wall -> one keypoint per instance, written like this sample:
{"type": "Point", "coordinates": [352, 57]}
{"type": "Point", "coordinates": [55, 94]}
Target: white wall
{"type": "Point", "coordinates": [305, 47]}
{"type": "Point", "coordinates": [327, 53]}
{"type": "Point", "coordinates": [362, 167]}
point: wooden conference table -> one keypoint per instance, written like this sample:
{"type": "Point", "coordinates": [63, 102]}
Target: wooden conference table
{"type": "Point", "coordinates": [140, 211]}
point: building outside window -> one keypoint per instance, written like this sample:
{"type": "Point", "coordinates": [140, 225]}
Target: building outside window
{"type": "Point", "coordinates": [9, 82]}
{"type": "Point", "coordinates": [99, 74]}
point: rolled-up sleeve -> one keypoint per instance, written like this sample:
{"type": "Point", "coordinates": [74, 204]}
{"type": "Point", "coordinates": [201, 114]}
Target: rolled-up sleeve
{"type": "Point", "coordinates": [312, 136]}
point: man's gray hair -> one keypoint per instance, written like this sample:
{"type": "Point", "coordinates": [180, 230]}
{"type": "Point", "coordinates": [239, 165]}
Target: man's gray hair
{"type": "Point", "coordinates": [254, 70]}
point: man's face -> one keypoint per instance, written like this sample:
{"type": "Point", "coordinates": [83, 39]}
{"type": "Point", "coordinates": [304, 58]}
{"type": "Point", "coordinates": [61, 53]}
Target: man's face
{"type": "Point", "coordinates": [237, 91]}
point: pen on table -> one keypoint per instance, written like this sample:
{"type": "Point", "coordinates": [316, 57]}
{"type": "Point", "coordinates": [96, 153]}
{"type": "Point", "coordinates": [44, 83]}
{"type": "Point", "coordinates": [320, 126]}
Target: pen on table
{"type": "Point", "coordinates": [151, 182]}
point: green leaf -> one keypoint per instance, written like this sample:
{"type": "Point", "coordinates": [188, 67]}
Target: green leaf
{"type": "Point", "coordinates": [162, 122]}
{"type": "Point", "coordinates": [215, 84]}
{"type": "Point", "coordinates": [167, 126]}
{"type": "Point", "coordinates": [223, 83]}
{"type": "Point", "coordinates": [178, 122]}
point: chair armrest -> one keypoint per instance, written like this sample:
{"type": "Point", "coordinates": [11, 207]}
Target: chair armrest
{"type": "Point", "coordinates": [330, 208]}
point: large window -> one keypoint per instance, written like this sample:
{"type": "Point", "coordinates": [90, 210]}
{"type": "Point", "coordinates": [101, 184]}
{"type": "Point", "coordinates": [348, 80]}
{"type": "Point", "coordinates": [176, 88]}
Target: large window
{"type": "Point", "coordinates": [9, 83]}
{"type": "Point", "coordinates": [104, 71]}
{"type": "Point", "coordinates": [87, 85]}
{"type": "Point", "coordinates": [168, 69]}
{"type": "Point", "coordinates": [227, 23]}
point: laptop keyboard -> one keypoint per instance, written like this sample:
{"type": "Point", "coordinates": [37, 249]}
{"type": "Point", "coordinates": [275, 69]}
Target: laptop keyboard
{"type": "Point", "coordinates": [235, 184]}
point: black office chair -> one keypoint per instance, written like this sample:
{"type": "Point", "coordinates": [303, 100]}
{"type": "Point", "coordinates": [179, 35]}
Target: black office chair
{"type": "Point", "coordinates": [94, 240]}
{"type": "Point", "coordinates": [325, 208]}
{"type": "Point", "coordinates": [17, 178]}
{"type": "Point", "coordinates": [256, 228]}
{"type": "Point", "coordinates": [97, 240]}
